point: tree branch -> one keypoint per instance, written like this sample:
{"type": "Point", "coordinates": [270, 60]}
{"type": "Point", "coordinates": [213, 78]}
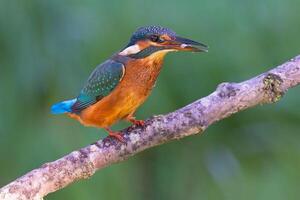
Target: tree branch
{"type": "Point", "coordinates": [228, 99]}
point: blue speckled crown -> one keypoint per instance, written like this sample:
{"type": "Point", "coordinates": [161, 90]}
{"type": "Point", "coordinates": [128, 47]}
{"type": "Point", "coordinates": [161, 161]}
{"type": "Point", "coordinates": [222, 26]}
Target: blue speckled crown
{"type": "Point", "coordinates": [143, 32]}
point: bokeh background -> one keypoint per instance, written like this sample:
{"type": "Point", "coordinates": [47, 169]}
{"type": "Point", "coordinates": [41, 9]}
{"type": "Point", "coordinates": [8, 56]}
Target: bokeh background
{"type": "Point", "coordinates": [49, 47]}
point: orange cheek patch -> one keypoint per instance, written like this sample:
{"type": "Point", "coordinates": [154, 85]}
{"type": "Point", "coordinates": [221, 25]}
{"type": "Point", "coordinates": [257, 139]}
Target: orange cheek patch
{"type": "Point", "coordinates": [166, 37]}
{"type": "Point", "coordinates": [143, 44]}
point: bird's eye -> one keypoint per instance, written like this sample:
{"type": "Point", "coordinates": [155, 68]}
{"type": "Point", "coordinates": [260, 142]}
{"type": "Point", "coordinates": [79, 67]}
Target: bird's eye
{"type": "Point", "coordinates": [156, 38]}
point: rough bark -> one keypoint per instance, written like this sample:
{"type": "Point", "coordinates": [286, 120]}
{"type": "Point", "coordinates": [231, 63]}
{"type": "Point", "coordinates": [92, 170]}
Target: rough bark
{"type": "Point", "coordinates": [194, 118]}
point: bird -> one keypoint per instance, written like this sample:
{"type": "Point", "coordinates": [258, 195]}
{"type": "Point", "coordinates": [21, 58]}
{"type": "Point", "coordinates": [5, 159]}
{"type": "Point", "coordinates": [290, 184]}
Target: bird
{"type": "Point", "coordinates": [117, 87]}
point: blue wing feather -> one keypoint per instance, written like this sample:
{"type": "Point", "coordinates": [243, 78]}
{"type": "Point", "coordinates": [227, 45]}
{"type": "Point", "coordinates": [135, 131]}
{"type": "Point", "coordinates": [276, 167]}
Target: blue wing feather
{"type": "Point", "coordinates": [100, 83]}
{"type": "Point", "coordinates": [63, 107]}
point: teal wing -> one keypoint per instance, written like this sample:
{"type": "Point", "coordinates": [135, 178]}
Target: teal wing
{"type": "Point", "coordinates": [100, 83]}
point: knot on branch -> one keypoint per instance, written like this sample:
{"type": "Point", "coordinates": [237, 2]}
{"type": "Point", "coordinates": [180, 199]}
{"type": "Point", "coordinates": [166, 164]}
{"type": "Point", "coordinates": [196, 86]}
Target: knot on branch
{"type": "Point", "coordinates": [227, 90]}
{"type": "Point", "coordinates": [272, 89]}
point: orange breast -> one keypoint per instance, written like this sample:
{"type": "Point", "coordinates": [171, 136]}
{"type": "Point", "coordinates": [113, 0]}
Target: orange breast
{"type": "Point", "coordinates": [132, 91]}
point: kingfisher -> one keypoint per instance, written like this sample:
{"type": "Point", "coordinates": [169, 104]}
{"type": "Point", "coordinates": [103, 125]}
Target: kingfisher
{"type": "Point", "coordinates": [118, 86]}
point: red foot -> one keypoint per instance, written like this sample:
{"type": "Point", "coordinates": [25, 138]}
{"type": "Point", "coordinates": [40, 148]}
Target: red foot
{"type": "Point", "coordinates": [116, 135]}
{"type": "Point", "coordinates": [137, 122]}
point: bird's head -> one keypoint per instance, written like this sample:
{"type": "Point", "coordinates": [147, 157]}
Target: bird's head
{"type": "Point", "coordinates": [151, 40]}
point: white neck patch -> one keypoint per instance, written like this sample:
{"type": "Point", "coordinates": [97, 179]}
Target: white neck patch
{"type": "Point", "coordinates": [130, 50]}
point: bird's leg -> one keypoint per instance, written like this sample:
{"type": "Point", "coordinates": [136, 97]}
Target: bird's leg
{"type": "Point", "coordinates": [132, 119]}
{"type": "Point", "coordinates": [115, 134]}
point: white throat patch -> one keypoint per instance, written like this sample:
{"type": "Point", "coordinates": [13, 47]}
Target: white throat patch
{"type": "Point", "coordinates": [130, 50]}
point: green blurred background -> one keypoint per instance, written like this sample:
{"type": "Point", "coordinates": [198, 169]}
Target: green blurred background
{"type": "Point", "coordinates": [48, 49]}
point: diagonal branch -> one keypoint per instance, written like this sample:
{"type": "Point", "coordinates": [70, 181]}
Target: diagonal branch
{"type": "Point", "coordinates": [194, 118]}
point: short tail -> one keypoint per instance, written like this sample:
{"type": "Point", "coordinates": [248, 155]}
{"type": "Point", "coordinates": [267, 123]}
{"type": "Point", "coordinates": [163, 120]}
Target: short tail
{"type": "Point", "coordinates": [63, 107]}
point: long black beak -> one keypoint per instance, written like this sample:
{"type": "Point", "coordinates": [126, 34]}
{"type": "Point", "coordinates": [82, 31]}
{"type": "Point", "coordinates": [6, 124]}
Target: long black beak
{"type": "Point", "coordinates": [185, 44]}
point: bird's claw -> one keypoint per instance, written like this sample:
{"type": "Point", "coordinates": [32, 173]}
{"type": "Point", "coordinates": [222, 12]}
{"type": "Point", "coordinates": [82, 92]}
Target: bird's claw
{"type": "Point", "coordinates": [116, 135]}
{"type": "Point", "coordinates": [138, 122]}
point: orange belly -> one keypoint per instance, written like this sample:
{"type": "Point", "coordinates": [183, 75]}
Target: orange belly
{"type": "Point", "coordinates": [132, 91]}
